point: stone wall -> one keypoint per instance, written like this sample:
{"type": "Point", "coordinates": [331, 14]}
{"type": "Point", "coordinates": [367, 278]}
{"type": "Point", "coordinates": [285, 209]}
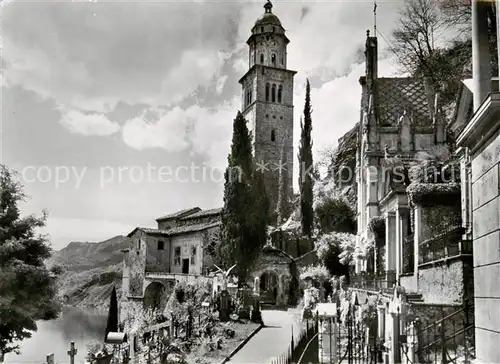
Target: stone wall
{"type": "Point", "coordinates": [157, 260]}
{"type": "Point", "coordinates": [137, 259]}
{"type": "Point", "coordinates": [442, 282]}
{"type": "Point", "coordinates": [486, 235]}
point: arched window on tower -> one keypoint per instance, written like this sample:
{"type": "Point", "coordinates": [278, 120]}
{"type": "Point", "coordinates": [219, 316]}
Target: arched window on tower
{"type": "Point", "coordinates": [267, 92]}
{"type": "Point", "coordinates": [273, 135]}
{"type": "Point", "coordinates": [282, 60]}
{"type": "Point", "coordinates": [273, 94]}
{"type": "Point", "coordinates": [273, 60]}
{"type": "Point", "coordinates": [261, 58]}
{"type": "Point", "coordinates": [280, 91]}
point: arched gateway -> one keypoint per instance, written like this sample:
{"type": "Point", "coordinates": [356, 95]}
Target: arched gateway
{"type": "Point", "coordinates": [272, 268]}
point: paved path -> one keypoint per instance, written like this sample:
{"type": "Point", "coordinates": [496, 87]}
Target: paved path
{"type": "Point", "coordinates": [271, 341]}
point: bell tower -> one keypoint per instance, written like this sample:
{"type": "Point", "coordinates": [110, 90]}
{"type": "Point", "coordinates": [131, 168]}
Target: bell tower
{"type": "Point", "coordinates": [267, 104]}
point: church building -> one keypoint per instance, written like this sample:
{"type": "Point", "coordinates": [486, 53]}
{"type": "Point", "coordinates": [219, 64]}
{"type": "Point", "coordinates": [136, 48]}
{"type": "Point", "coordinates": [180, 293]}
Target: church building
{"type": "Point", "coordinates": [178, 248]}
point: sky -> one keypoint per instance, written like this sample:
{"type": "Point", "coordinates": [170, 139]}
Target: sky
{"type": "Point", "coordinates": [117, 112]}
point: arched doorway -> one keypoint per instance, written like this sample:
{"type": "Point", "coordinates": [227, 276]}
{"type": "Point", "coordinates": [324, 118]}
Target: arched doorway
{"type": "Point", "coordinates": [269, 287]}
{"type": "Point", "coordinates": [155, 296]}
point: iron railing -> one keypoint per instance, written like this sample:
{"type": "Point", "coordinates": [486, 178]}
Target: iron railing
{"type": "Point", "coordinates": [371, 281]}
{"type": "Point", "coordinates": [445, 245]}
{"type": "Point", "coordinates": [448, 340]}
{"type": "Point", "coordinates": [297, 347]}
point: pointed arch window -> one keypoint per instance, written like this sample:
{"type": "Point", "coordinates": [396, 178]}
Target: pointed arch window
{"type": "Point", "coordinates": [273, 135]}
{"type": "Point", "coordinates": [273, 93]}
{"type": "Point", "coordinates": [267, 92]}
{"type": "Point", "coordinates": [262, 58]}
{"type": "Point", "coordinates": [280, 92]}
{"type": "Point", "coordinates": [273, 60]}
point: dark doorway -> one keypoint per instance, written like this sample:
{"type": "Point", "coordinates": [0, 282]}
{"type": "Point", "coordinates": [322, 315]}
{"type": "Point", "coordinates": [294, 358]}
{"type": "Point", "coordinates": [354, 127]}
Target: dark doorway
{"type": "Point", "coordinates": [185, 266]}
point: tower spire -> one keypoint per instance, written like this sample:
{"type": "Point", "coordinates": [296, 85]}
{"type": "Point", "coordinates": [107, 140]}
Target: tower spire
{"type": "Point", "coordinates": [268, 6]}
{"type": "Point", "coordinates": [374, 18]}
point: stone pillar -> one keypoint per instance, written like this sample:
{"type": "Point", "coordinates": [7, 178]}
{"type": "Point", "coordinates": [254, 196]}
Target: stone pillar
{"type": "Point", "coordinates": [466, 193]}
{"type": "Point", "coordinates": [390, 248]}
{"type": "Point", "coordinates": [480, 52]}
{"type": "Point", "coordinates": [381, 322]}
{"type": "Point", "coordinates": [401, 234]}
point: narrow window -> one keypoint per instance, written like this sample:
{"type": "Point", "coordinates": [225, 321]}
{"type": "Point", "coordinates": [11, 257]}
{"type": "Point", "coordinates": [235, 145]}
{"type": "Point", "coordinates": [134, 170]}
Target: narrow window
{"type": "Point", "coordinates": [249, 96]}
{"type": "Point", "coordinates": [282, 60]}
{"type": "Point", "coordinates": [177, 255]}
{"type": "Point", "coordinates": [138, 244]}
{"type": "Point", "coordinates": [161, 245]}
{"type": "Point", "coordinates": [273, 135]}
{"type": "Point", "coordinates": [262, 29]}
{"type": "Point", "coordinates": [267, 92]}
{"type": "Point", "coordinates": [273, 59]}
{"type": "Point", "coordinates": [280, 91]}
{"type": "Point", "coordinates": [274, 29]}
{"type": "Point", "coordinates": [193, 255]}
{"type": "Point", "coordinates": [273, 94]}
{"type": "Point", "coordinates": [262, 58]}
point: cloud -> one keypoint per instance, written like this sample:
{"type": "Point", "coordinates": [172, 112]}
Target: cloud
{"type": "Point", "coordinates": [202, 130]}
{"type": "Point", "coordinates": [88, 123]}
{"type": "Point", "coordinates": [220, 84]}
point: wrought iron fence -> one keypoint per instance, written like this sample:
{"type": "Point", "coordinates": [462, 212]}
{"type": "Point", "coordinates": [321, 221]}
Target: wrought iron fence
{"type": "Point", "coordinates": [372, 281]}
{"type": "Point", "coordinates": [446, 341]}
{"type": "Point", "coordinates": [445, 245]}
{"type": "Point", "coordinates": [297, 347]}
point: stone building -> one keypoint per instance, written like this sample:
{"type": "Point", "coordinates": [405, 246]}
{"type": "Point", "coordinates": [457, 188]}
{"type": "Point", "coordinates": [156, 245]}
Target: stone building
{"type": "Point", "coordinates": [177, 249]}
{"type": "Point", "coordinates": [267, 104]}
{"type": "Point", "coordinates": [479, 143]}
{"type": "Point", "coordinates": [415, 226]}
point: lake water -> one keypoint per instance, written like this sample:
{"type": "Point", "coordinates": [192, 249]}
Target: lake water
{"type": "Point", "coordinates": [81, 326]}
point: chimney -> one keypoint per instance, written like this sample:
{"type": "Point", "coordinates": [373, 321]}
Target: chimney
{"type": "Point", "coordinates": [481, 72]}
{"type": "Point", "coordinates": [371, 57]}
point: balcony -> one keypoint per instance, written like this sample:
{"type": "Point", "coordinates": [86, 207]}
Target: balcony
{"type": "Point", "coordinates": [445, 245]}
{"type": "Point", "coordinates": [370, 281]}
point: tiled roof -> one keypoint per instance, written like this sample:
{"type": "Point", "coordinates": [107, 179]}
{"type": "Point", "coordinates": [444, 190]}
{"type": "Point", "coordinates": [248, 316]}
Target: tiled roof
{"type": "Point", "coordinates": [397, 95]}
{"type": "Point", "coordinates": [203, 213]}
{"type": "Point", "coordinates": [176, 230]}
{"type": "Point", "coordinates": [180, 213]}
{"type": "Point", "coordinates": [191, 228]}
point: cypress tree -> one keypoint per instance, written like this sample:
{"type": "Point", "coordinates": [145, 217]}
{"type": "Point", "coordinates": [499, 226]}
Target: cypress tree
{"type": "Point", "coordinates": [306, 167]}
{"type": "Point", "coordinates": [244, 216]}
{"type": "Point", "coordinates": [112, 325]}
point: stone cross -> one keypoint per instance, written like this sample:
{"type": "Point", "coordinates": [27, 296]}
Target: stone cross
{"type": "Point", "coordinates": [72, 352]}
{"type": "Point", "coordinates": [50, 359]}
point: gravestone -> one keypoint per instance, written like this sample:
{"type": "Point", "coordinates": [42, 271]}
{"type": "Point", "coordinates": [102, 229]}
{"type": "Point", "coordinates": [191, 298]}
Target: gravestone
{"type": "Point", "coordinates": [224, 310]}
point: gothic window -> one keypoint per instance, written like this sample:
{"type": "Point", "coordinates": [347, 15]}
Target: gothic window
{"type": "Point", "coordinates": [262, 58]}
{"type": "Point", "coordinates": [282, 60]}
{"type": "Point", "coordinates": [273, 94]}
{"type": "Point", "coordinates": [280, 91]}
{"type": "Point", "coordinates": [273, 59]}
{"type": "Point", "coordinates": [267, 92]}
{"type": "Point", "coordinates": [273, 135]}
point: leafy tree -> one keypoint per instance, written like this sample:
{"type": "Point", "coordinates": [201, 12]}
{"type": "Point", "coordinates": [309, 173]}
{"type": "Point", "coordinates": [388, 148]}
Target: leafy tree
{"type": "Point", "coordinates": [112, 325]}
{"type": "Point", "coordinates": [246, 206]}
{"type": "Point", "coordinates": [28, 288]}
{"type": "Point", "coordinates": [335, 214]}
{"type": "Point", "coordinates": [306, 167]}
{"type": "Point", "coordinates": [432, 40]}
{"type": "Point", "coordinates": [335, 251]}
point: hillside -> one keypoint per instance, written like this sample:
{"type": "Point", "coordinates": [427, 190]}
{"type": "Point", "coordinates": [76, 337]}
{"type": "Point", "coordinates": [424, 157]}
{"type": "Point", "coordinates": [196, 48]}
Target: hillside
{"type": "Point", "coordinates": [89, 271]}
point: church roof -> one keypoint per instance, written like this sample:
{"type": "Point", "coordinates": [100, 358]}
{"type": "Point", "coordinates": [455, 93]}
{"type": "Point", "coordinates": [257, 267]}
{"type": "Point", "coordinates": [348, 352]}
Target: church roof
{"type": "Point", "coordinates": [179, 214]}
{"type": "Point", "coordinates": [397, 95]}
{"type": "Point", "coordinates": [176, 230]}
{"type": "Point", "coordinates": [268, 19]}
{"type": "Point", "coordinates": [203, 213]}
